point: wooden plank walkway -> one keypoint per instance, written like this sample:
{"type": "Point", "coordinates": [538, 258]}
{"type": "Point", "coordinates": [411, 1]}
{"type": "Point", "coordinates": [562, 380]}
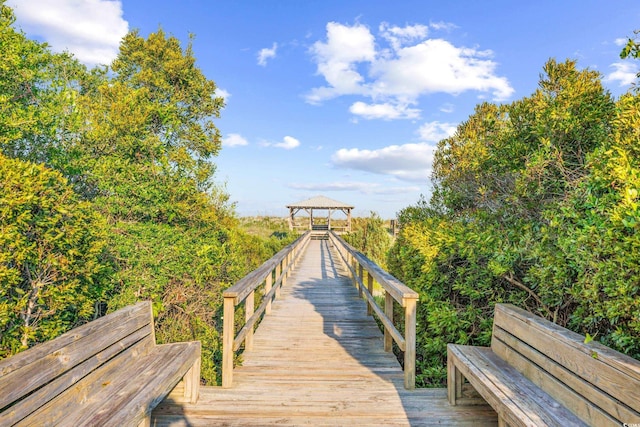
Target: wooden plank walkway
{"type": "Point", "coordinates": [318, 359]}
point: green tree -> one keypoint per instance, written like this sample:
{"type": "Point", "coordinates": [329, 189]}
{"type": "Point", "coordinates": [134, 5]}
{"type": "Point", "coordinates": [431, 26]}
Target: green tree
{"type": "Point", "coordinates": [521, 192]}
{"type": "Point", "coordinates": [371, 237]}
{"type": "Point", "coordinates": [135, 143]}
{"type": "Point", "coordinates": [632, 49]}
{"type": "Point", "coordinates": [151, 135]}
{"type": "Point", "coordinates": [39, 117]}
{"type": "Point", "coordinates": [54, 268]}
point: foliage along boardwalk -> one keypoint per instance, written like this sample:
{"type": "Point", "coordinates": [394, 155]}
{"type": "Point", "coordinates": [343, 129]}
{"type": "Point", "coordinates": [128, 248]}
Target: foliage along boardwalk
{"type": "Point", "coordinates": [318, 359]}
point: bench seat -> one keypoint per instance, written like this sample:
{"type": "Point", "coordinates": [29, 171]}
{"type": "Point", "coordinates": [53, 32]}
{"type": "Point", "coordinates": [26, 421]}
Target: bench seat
{"type": "Point", "coordinates": [108, 372]}
{"type": "Point", "coordinates": [516, 399]}
{"type": "Point", "coordinates": [537, 373]}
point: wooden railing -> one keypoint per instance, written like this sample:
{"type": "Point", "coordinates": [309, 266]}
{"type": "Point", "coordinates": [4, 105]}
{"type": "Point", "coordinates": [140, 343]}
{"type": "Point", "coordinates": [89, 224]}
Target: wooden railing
{"type": "Point", "coordinates": [394, 290]}
{"type": "Point", "coordinates": [273, 275]}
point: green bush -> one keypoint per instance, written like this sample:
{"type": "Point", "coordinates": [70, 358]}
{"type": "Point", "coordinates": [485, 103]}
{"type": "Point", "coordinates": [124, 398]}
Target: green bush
{"type": "Point", "coordinates": [535, 203]}
{"type": "Point", "coordinates": [371, 237]}
{"type": "Point", "coordinates": [54, 268]}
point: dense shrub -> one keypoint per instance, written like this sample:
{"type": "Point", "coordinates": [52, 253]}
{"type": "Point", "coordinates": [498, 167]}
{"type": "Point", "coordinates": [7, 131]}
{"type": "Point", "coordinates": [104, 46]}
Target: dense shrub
{"type": "Point", "coordinates": [535, 203]}
{"type": "Point", "coordinates": [54, 268]}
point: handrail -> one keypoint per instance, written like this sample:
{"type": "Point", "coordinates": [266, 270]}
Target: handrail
{"type": "Point", "coordinates": [273, 274]}
{"type": "Point", "coordinates": [394, 290]}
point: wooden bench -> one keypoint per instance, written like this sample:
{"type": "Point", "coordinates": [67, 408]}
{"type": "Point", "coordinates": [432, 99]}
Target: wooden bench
{"type": "Point", "coordinates": [537, 373]}
{"type": "Point", "coordinates": [108, 372]}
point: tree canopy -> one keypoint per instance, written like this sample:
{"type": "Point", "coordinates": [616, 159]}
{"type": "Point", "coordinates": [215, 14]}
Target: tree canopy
{"type": "Point", "coordinates": [109, 194]}
{"type": "Point", "coordinates": [535, 203]}
{"type": "Point", "coordinates": [54, 265]}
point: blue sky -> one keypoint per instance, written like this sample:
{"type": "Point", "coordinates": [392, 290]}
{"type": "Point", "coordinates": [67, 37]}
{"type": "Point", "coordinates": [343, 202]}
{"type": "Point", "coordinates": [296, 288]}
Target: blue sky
{"type": "Point", "coordinates": [348, 99]}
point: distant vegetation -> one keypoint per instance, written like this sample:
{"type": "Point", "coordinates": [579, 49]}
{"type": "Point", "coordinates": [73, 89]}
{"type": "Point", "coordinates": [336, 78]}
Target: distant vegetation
{"type": "Point", "coordinates": [372, 237]}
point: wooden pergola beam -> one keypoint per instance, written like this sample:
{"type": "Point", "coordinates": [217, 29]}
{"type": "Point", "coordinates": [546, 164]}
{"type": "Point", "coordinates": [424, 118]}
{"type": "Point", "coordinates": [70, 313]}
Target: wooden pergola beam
{"type": "Point", "coordinates": [319, 203]}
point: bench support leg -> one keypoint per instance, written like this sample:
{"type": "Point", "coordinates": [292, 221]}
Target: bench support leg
{"type": "Point", "coordinates": [454, 381]}
{"type": "Point", "coordinates": [192, 382]}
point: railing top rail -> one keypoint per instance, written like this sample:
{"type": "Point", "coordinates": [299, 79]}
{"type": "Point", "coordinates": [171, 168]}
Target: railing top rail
{"type": "Point", "coordinates": [398, 290]}
{"type": "Point", "coordinates": [251, 281]}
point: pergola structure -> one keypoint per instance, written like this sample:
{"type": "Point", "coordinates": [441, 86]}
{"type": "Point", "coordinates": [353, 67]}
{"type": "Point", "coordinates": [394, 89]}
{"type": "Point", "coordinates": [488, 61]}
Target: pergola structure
{"type": "Point", "coordinates": [319, 203]}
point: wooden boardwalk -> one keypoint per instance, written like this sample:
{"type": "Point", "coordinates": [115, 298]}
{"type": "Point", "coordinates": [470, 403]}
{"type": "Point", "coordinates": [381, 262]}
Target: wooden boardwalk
{"type": "Point", "coordinates": [318, 359]}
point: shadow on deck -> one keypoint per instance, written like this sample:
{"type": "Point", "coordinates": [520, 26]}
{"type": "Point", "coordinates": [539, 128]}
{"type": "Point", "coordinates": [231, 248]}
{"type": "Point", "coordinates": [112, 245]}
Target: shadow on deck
{"type": "Point", "coordinates": [318, 359]}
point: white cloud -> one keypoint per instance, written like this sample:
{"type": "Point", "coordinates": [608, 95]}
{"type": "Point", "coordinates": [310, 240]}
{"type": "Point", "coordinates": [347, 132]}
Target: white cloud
{"type": "Point", "coordinates": [447, 108]}
{"type": "Point", "coordinates": [288, 143]}
{"type": "Point", "coordinates": [399, 36]}
{"type": "Point", "coordinates": [221, 93]}
{"type": "Point", "coordinates": [441, 25]}
{"type": "Point", "coordinates": [234, 140]}
{"type": "Point", "coordinates": [620, 41]}
{"type": "Point", "coordinates": [365, 187]}
{"type": "Point", "coordinates": [90, 29]}
{"type": "Point", "coordinates": [266, 54]}
{"type": "Point", "coordinates": [436, 131]}
{"type": "Point", "coordinates": [361, 187]}
{"type": "Point", "coordinates": [625, 73]}
{"type": "Point", "coordinates": [386, 111]}
{"type": "Point", "coordinates": [337, 60]}
{"type": "Point", "coordinates": [436, 65]}
{"type": "Point", "coordinates": [394, 191]}
{"type": "Point", "coordinates": [409, 162]}
{"type": "Point", "coordinates": [353, 62]}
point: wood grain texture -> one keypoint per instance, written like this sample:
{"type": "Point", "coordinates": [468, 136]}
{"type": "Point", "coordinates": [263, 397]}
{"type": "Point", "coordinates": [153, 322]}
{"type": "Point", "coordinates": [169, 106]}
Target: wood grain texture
{"type": "Point", "coordinates": [108, 372]}
{"type": "Point", "coordinates": [534, 365]}
{"type": "Point", "coordinates": [517, 401]}
{"type": "Point", "coordinates": [319, 359]}
{"type": "Point", "coordinates": [598, 375]}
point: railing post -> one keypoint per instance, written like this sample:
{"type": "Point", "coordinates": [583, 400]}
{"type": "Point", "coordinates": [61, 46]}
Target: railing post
{"type": "Point", "coordinates": [388, 311]}
{"type": "Point", "coordinates": [370, 288]}
{"type": "Point", "coordinates": [410, 343]}
{"type": "Point", "coordinates": [293, 257]}
{"type": "Point", "coordinates": [268, 282]}
{"type": "Point", "coordinates": [249, 306]}
{"type": "Point", "coordinates": [361, 276]}
{"type": "Point", "coordinates": [228, 335]}
{"type": "Point", "coordinates": [278, 272]}
{"type": "Point", "coordinates": [354, 264]}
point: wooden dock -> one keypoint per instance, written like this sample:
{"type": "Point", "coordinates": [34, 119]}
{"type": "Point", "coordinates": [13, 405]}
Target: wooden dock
{"type": "Point", "coordinates": [318, 359]}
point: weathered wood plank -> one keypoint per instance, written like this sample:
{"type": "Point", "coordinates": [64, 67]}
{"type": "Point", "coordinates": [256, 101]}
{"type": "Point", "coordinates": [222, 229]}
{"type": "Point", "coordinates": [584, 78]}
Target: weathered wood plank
{"type": "Point", "coordinates": [561, 392]}
{"type": "Point", "coordinates": [48, 369]}
{"type": "Point", "coordinates": [114, 394]}
{"type": "Point", "coordinates": [121, 406]}
{"type": "Point", "coordinates": [108, 372]}
{"type": "Point", "coordinates": [594, 371]}
{"type": "Point", "coordinates": [516, 400]}
{"type": "Point", "coordinates": [35, 354]}
{"type": "Point", "coordinates": [44, 394]}
{"type": "Point", "coordinates": [318, 359]}
{"type": "Point", "coordinates": [535, 362]}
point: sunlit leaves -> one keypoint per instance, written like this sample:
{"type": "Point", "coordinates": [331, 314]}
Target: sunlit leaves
{"type": "Point", "coordinates": [535, 203]}
{"type": "Point", "coordinates": [371, 237]}
{"type": "Point", "coordinates": [53, 264]}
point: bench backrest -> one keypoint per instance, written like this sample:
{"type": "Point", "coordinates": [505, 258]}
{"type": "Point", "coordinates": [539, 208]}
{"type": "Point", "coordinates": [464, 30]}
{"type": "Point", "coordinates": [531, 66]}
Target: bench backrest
{"type": "Point", "coordinates": [600, 385]}
{"type": "Point", "coordinates": [32, 378]}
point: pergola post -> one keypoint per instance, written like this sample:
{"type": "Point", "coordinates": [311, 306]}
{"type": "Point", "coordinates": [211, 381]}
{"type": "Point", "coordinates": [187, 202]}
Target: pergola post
{"type": "Point", "coordinates": [291, 219]}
